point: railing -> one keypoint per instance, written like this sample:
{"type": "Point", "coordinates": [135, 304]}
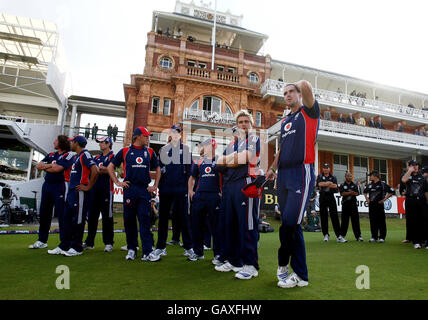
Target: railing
{"type": "Point", "coordinates": [101, 132]}
{"type": "Point", "coordinates": [351, 129]}
{"type": "Point", "coordinates": [227, 76]}
{"type": "Point", "coordinates": [276, 88]}
{"type": "Point", "coordinates": [26, 120]}
{"type": "Point", "coordinates": [208, 116]}
{"type": "Point", "coordinates": [198, 72]}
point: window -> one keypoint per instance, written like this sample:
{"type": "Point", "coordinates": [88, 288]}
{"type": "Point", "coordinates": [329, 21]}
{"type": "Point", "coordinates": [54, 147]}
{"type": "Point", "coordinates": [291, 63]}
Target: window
{"type": "Point", "coordinates": [253, 77]}
{"type": "Point", "coordinates": [195, 106]}
{"type": "Point", "coordinates": [166, 107]}
{"type": "Point", "coordinates": [155, 105]}
{"type": "Point", "coordinates": [191, 63]}
{"type": "Point", "coordinates": [340, 167]}
{"type": "Point", "coordinates": [14, 157]}
{"type": "Point", "coordinates": [258, 119]}
{"type": "Point", "coordinates": [202, 65]}
{"type": "Point", "coordinates": [231, 70]}
{"type": "Point", "coordinates": [380, 165]}
{"type": "Point", "coordinates": [165, 62]}
{"type": "Point", "coordinates": [220, 68]}
{"type": "Point", "coordinates": [361, 169]}
{"type": "Point", "coordinates": [212, 104]}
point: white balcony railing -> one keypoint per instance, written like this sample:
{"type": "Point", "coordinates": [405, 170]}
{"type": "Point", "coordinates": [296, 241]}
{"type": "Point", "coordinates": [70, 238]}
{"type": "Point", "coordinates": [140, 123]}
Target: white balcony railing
{"type": "Point", "coordinates": [360, 131]}
{"type": "Point", "coordinates": [26, 120]}
{"type": "Point", "coordinates": [208, 116]}
{"type": "Point", "coordinates": [276, 88]}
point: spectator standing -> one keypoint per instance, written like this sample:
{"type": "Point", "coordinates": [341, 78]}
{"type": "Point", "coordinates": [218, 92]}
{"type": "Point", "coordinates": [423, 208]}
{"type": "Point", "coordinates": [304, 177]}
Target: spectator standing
{"type": "Point", "coordinates": [379, 124]}
{"type": "Point", "coordinates": [362, 122]}
{"type": "Point", "coordinates": [327, 114]}
{"type": "Point", "coordinates": [399, 127]}
{"type": "Point", "coordinates": [114, 132]}
{"type": "Point", "coordinates": [94, 131]}
{"type": "Point", "coordinates": [372, 124]}
{"type": "Point", "coordinates": [341, 118]}
{"type": "Point", "coordinates": [350, 119]}
{"type": "Point", "coordinates": [109, 131]}
{"type": "Point", "coordinates": [87, 130]}
{"type": "Point", "coordinates": [416, 132]}
{"type": "Point", "coordinates": [422, 132]}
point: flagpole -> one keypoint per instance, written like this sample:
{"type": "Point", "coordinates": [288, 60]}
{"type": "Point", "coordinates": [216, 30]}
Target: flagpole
{"type": "Point", "coordinates": [213, 36]}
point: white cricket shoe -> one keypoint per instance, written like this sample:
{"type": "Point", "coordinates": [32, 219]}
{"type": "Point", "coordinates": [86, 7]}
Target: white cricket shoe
{"type": "Point", "coordinates": [372, 240]}
{"type": "Point", "coordinates": [108, 248]}
{"type": "Point", "coordinates": [152, 257]}
{"type": "Point", "coordinates": [292, 281]}
{"type": "Point", "coordinates": [130, 255]}
{"type": "Point", "coordinates": [160, 252]}
{"type": "Point", "coordinates": [360, 239]}
{"type": "Point", "coordinates": [326, 238]}
{"type": "Point", "coordinates": [86, 247]}
{"type": "Point", "coordinates": [226, 267]}
{"type": "Point", "coordinates": [381, 240]}
{"type": "Point", "coordinates": [57, 250]}
{"type": "Point", "coordinates": [72, 253]}
{"type": "Point", "coordinates": [195, 257]}
{"type": "Point", "coordinates": [206, 248]}
{"type": "Point", "coordinates": [125, 248]}
{"type": "Point", "coordinates": [38, 245]}
{"type": "Point", "coordinates": [247, 273]}
{"type": "Point", "coordinates": [216, 261]}
{"type": "Point", "coordinates": [341, 239]}
{"type": "Point", "coordinates": [282, 273]}
{"type": "Point", "coordinates": [188, 253]}
{"type": "Point", "coordinates": [417, 246]}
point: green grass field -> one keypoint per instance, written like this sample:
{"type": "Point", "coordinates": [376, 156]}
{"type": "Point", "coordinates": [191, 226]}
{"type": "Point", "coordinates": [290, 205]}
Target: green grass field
{"type": "Point", "coordinates": [397, 271]}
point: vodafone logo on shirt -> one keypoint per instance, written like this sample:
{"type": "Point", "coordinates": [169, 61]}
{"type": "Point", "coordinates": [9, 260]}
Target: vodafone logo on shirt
{"type": "Point", "coordinates": [208, 170]}
{"type": "Point", "coordinates": [287, 127]}
{"type": "Point", "coordinates": [139, 160]}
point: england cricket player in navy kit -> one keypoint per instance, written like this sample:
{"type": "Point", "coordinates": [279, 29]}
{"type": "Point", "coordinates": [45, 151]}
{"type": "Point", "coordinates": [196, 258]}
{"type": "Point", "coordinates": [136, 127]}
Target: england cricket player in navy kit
{"type": "Point", "coordinates": [54, 189]}
{"type": "Point", "coordinates": [138, 161]}
{"type": "Point", "coordinates": [205, 200]}
{"type": "Point", "coordinates": [84, 174]}
{"type": "Point", "coordinates": [102, 198]}
{"type": "Point", "coordinates": [296, 180]}
{"type": "Point", "coordinates": [239, 213]}
{"type": "Point", "coordinates": [175, 161]}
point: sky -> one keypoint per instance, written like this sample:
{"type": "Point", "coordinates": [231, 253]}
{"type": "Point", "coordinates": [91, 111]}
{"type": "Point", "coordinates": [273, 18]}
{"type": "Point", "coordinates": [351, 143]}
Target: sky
{"type": "Point", "coordinates": [376, 40]}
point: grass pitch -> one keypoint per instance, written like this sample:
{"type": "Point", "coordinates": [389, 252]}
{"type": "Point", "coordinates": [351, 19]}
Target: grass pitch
{"type": "Point", "coordinates": [397, 271]}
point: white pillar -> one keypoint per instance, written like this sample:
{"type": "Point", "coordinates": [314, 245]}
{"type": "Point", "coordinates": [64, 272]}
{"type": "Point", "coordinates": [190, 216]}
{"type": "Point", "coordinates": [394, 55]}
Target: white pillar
{"type": "Point", "coordinates": [346, 87]}
{"type": "Point", "coordinates": [316, 159]}
{"type": "Point", "coordinates": [399, 99]}
{"type": "Point", "coordinates": [79, 115]}
{"type": "Point", "coordinates": [276, 145]}
{"type": "Point", "coordinates": [374, 94]}
{"type": "Point", "coordinates": [30, 161]}
{"type": "Point", "coordinates": [72, 120]}
{"type": "Point", "coordinates": [316, 81]}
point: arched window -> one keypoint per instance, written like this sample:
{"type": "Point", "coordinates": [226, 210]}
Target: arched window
{"type": "Point", "coordinates": [253, 77]}
{"type": "Point", "coordinates": [195, 105]}
{"type": "Point", "coordinates": [227, 109]}
{"type": "Point", "coordinates": [165, 62]}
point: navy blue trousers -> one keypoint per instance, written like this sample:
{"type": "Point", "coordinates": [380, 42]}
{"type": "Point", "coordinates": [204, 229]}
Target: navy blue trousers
{"type": "Point", "coordinates": [180, 202]}
{"type": "Point", "coordinates": [239, 225]}
{"type": "Point", "coordinates": [136, 205]}
{"type": "Point", "coordinates": [101, 202]}
{"type": "Point", "coordinates": [76, 211]}
{"type": "Point", "coordinates": [295, 186]}
{"type": "Point", "coordinates": [205, 207]}
{"type": "Point", "coordinates": [53, 196]}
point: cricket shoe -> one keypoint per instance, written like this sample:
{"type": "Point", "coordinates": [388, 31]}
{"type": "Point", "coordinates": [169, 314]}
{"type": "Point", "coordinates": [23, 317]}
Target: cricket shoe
{"type": "Point", "coordinates": [195, 257]}
{"type": "Point", "coordinates": [173, 243]}
{"type": "Point", "coordinates": [247, 273]}
{"type": "Point", "coordinates": [108, 248]}
{"type": "Point", "coordinates": [130, 255]}
{"type": "Point", "coordinates": [226, 267]}
{"type": "Point", "coordinates": [160, 252]}
{"type": "Point", "coordinates": [282, 273]}
{"type": "Point", "coordinates": [292, 281]}
{"type": "Point", "coordinates": [152, 257]}
{"type": "Point", "coordinates": [125, 248]}
{"type": "Point", "coordinates": [381, 240]}
{"type": "Point", "coordinates": [38, 245]}
{"type": "Point", "coordinates": [417, 246]}
{"type": "Point", "coordinates": [341, 239]}
{"type": "Point", "coordinates": [188, 253]}
{"type": "Point", "coordinates": [216, 261]}
{"type": "Point", "coordinates": [206, 248]}
{"type": "Point", "coordinates": [326, 238]}
{"type": "Point", "coordinates": [72, 253]}
{"type": "Point", "coordinates": [360, 239]}
{"type": "Point", "coordinates": [372, 240]}
{"type": "Point", "coordinates": [86, 247]}
{"type": "Point", "coordinates": [57, 250]}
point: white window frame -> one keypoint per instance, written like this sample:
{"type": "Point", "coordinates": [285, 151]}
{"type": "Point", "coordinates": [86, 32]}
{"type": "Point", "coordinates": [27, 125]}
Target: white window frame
{"type": "Point", "coordinates": [220, 68]}
{"type": "Point", "coordinates": [158, 105]}
{"type": "Point", "coordinates": [231, 70]}
{"type": "Point", "coordinates": [253, 77]}
{"type": "Point", "coordinates": [258, 119]}
{"type": "Point", "coordinates": [202, 65]}
{"type": "Point", "coordinates": [191, 61]}
{"type": "Point", "coordinates": [169, 107]}
{"type": "Point", "coordinates": [163, 64]}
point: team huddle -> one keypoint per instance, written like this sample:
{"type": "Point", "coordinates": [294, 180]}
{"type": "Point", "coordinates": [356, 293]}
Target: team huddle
{"type": "Point", "coordinates": [220, 192]}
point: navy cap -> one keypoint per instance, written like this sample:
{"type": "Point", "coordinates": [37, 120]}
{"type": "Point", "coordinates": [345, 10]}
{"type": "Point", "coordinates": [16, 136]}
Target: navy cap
{"type": "Point", "coordinates": [176, 127]}
{"type": "Point", "coordinates": [141, 130]}
{"type": "Point", "coordinates": [412, 163]}
{"type": "Point", "coordinates": [326, 165]}
{"type": "Point", "coordinates": [79, 139]}
{"type": "Point", "coordinates": [424, 169]}
{"type": "Point", "coordinates": [104, 139]}
{"type": "Point", "coordinates": [209, 141]}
